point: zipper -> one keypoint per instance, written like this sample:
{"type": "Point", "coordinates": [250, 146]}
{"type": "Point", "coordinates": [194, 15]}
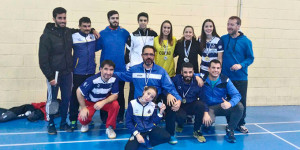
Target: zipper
{"type": "Point", "coordinates": [88, 56]}
{"type": "Point", "coordinates": [77, 62]}
{"type": "Point", "coordinates": [143, 118]}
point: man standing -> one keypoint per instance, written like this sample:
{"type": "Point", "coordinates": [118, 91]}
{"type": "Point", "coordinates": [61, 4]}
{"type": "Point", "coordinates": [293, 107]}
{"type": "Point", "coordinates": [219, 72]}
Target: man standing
{"type": "Point", "coordinates": [215, 89]}
{"type": "Point", "coordinates": [148, 73]}
{"type": "Point", "coordinates": [187, 87]}
{"type": "Point", "coordinates": [112, 43]}
{"type": "Point", "coordinates": [84, 46]}
{"type": "Point", "coordinates": [55, 59]}
{"type": "Point", "coordinates": [238, 55]}
{"type": "Point", "coordinates": [138, 39]}
{"type": "Point", "coordinates": [100, 92]}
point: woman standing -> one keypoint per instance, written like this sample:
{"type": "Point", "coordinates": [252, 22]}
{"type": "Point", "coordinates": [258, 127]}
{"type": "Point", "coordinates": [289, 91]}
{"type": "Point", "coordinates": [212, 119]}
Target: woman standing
{"type": "Point", "coordinates": [188, 49]}
{"type": "Point", "coordinates": [210, 45]}
{"type": "Point", "coordinates": [165, 45]}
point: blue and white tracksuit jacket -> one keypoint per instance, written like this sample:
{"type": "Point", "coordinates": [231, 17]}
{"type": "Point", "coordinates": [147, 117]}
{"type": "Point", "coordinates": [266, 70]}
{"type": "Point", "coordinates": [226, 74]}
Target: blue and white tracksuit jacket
{"type": "Point", "coordinates": [158, 78]}
{"type": "Point", "coordinates": [141, 118]}
{"type": "Point", "coordinates": [84, 46]}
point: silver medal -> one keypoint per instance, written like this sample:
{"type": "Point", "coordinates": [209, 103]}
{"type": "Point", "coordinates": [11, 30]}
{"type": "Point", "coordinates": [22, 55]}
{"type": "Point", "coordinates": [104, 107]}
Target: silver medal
{"type": "Point", "coordinates": [186, 59]}
{"type": "Point", "coordinates": [165, 58]}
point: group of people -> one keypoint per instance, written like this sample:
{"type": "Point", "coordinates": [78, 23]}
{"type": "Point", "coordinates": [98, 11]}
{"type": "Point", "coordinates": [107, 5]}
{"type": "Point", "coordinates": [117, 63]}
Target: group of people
{"type": "Point", "coordinates": [146, 60]}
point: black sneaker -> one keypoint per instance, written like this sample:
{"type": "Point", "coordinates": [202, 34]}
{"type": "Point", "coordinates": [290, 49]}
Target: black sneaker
{"type": "Point", "coordinates": [51, 129]}
{"type": "Point", "coordinates": [65, 127]}
{"type": "Point", "coordinates": [230, 136]}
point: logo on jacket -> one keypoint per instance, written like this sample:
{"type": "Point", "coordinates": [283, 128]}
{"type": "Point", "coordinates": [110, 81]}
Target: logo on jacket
{"type": "Point", "coordinates": [149, 111]}
{"type": "Point", "coordinates": [213, 46]}
{"type": "Point", "coordinates": [85, 84]}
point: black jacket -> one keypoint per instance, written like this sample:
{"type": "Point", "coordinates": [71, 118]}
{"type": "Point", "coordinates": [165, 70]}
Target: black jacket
{"type": "Point", "coordinates": [55, 51]}
{"type": "Point", "coordinates": [193, 55]}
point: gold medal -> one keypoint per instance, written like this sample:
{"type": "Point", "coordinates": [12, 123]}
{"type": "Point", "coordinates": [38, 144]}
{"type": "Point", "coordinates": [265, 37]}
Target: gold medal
{"type": "Point", "coordinates": [207, 58]}
{"type": "Point", "coordinates": [183, 100]}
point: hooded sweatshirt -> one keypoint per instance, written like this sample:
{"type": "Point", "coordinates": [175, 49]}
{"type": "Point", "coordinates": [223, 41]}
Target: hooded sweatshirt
{"type": "Point", "coordinates": [237, 51]}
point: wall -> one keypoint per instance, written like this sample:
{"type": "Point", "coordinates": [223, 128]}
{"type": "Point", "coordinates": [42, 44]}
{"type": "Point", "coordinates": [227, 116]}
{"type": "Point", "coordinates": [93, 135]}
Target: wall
{"type": "Point", "coordinates": [273, 27]}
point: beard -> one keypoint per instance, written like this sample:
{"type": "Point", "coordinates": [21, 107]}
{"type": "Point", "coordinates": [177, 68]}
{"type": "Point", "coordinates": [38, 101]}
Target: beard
{"type": "Point", "coordinates": [59, 25]}
{"type": "Point", "coordinates": [114, 26]}
{"type": "Point", "coordinates": [187, 79]}
{"type": "Point", "coordinates": [148, 62]}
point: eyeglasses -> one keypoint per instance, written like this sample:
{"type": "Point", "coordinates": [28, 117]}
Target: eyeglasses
{"type": "Point", "coordinates": [148, 54]}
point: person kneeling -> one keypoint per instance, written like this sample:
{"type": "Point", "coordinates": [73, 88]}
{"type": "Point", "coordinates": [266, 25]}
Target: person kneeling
{"type": "Point", "coordinates": [187, 87]}
{"type": "Point", "coordinates": [100, 92]}
{"type": "Point", "coordinates": [215, 89]}
{"type": "Point", "coordinates": [142, 118]}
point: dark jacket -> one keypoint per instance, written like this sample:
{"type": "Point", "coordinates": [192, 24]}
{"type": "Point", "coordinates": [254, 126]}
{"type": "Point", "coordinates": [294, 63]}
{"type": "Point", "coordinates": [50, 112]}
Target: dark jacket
{"type": "Point", "coordinates": [193, 55]}
{"type": "Point", "coordinates": [55, 51]}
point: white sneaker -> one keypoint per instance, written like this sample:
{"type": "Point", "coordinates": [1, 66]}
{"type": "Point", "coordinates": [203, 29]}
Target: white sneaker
{"type": "Point", "coordinates": [110, 133]}
{"type": "Point", "coordinates": [84, 128]}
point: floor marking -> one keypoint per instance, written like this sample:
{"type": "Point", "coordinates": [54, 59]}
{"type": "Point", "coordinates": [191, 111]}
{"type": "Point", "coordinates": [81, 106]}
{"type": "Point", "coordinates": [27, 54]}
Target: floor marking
{"type": "Point", "coordinates": [278, 136]}
{"type": "Point", "coordinates": [78, 130]}
{"type": "Point", "coordinates": [125, 139]}
{"type": "Point", "coordinates": [46, 143]}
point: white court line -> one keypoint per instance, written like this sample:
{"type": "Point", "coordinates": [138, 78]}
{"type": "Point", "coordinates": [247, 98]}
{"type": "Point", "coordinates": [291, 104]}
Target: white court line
{"type": "Point", "coordinates": [17, 133]}
{"type": "Point", "coordinates": [279, 137]}
{"type": "Point", "coordinates": [46, 143]}
{"type": "Point", "coordinates": [125, 139]}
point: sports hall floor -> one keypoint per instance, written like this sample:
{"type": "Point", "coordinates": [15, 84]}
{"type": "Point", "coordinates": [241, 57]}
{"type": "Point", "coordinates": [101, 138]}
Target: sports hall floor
{"type": "Point", "coordinates": [271, 128]}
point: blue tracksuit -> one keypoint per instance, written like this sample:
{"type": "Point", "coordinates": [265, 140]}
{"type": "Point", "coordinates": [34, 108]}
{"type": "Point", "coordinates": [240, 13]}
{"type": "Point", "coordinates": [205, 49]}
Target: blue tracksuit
{"type": "Point", "coordinates": [84, 46]}
{"type": "Point", "coordinates": [112, 42]}
{"type": "Point", "coordinates": [194, 92]}
{"type": "Point", "coordinates": [157, 77]}
{"type": "Point", "coordinates": [237, 51]}
{"type": "Point", "coordinates": [213, 95]}
{"type": "Point", "coordinates": [141, 118]}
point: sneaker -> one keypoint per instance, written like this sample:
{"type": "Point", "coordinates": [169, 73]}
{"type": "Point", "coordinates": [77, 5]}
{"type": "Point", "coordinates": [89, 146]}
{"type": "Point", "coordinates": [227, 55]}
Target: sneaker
{"type": "Point", "coordinates": [65, 127]}
{"type": "Point", "coordinates": [242, 129]}
{"type": "Point", "coordinates": [73, 125]}
{"type": "Point", "coordinates": [84, 128]}
{"type": "Point", "coordinates": [52, 129]}
{"type": "Point", "coordinates": [173, 140]}
{"type": "Point", "coordinates": [179, 129]}
{"type": "Point", "coordinates": [198, 135]}
{"type": "Point", "coordinates": [230, 136]}
{"type": "Point", "coordinates": [110, 133]}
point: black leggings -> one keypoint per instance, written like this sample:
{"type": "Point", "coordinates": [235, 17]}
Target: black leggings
{"type": "Point", "coordinates": [156, 136]}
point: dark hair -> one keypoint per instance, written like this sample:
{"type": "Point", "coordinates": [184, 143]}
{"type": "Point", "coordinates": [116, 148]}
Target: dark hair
{"type": "Point", "coordinates": [107, 62]}
{"type": "Point", "coordinates": [110, 13]}
{"type": "Point", "coordinates": [58, 10]}
{"type": "Point", "coordinates": [148, 46]}
{"type": "Point", "coordinates": [170, 36]}
{"type": "Point", "coordinates": [203, 35]}
{"type": "Point", "coordinates": [142, 14]}
{"type": "Point", "coordinates": [85, 20]}
{"type": "Point", "coordinates": [216, 61]}
{"type": "Point", "coordinates": [194, 37]}
{"type": "Point", "coordinates": [153, 88]}
{"type": "Point", "coordinates": [238, 19]}
{"type": "Point", "coordinates": [187, 65]}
